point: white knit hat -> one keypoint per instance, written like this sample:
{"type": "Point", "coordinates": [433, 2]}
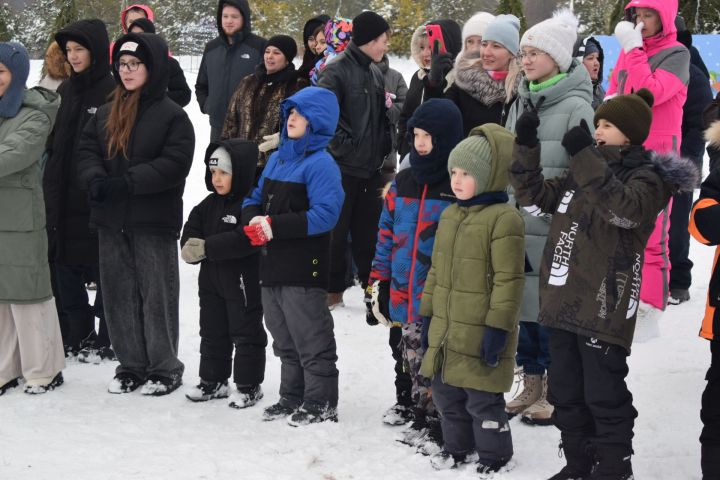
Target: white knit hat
{"type": "Point", "coordinates": [220, 158]}
{"type": "Point", "coordinates": [476, 25]}
{"type": "Point", "coordinates": [555, 36]}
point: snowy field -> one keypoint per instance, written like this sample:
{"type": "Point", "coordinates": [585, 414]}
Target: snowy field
{"type": "Point", "coordinates": [81, 431]}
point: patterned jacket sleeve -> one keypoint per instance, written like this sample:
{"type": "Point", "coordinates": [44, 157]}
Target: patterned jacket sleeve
{"type": "Point", "coordinates": [382, 263]}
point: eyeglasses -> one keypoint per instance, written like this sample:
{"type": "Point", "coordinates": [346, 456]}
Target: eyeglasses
{"type": "Point", "coordinates": [130, 66]}
{"type": "Point", "coordinates": [531, 56]}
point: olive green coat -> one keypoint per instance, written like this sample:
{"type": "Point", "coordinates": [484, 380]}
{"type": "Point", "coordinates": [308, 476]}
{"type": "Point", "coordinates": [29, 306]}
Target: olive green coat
{"type": "Point", "coordinates": [24, 270]}
{"type": "Point", "coordinates": [476, 280]}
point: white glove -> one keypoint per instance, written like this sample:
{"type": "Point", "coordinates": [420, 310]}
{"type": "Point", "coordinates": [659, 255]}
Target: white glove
{"type": "Point", "coordinates": [629, 35]}
{"type": "Point", "coordinates": [376, 302]}
{"type": "Point", "coordinates": [271, 142]}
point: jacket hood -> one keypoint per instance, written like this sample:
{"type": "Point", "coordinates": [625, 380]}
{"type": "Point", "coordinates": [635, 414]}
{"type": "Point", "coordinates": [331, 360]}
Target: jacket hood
{"type": "Point", "coordinates": [244, 8]}
{"type": "Point", "coordinates": [579, 53]}
{"type": "Point", "coordinates": [501, 145]}
{"type": "Point", "coordinates": [712, 134]}
{"type": "Point", "coordinates": [148, 12]}
{"type": "Point", "coordinates": [320, 107]}
{"type": "Point", "coordinates": [43, 100]}
{"type": "Point", "coordinates": [157, 62]}
{"type": "Point", "coordinates": [244, 157]}
{"type": "Point", "coordinates": [667, 9]}
{"type": "Point", "coordinates": [576, 84]}
{"type": "Point", "coordinates": [452, 36]}
{"type": "Point", "coordinates": [675, 170]}
{"type": "Point", "coordinates": [93, 35]}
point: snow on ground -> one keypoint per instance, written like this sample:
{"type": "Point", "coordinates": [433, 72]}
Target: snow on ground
{"type": "Point", "coordinates": [81, 431]}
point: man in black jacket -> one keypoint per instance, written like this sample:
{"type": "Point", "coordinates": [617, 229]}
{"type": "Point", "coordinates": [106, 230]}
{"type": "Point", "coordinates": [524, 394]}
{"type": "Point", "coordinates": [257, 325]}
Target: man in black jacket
{"type": "Point", "coordinates": [227, 59]}
{"type": "Point", "coordinates": [361, 142]}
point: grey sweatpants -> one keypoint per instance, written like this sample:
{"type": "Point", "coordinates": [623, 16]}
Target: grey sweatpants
{"type": "Point", "coordinates": [30, 342]}
{"type": "Point", "coordinates": [473, 420]}
{"type": "Point", "coordinates": [303, 338]}
{"type": "Point", "coordinates": [141, 289]}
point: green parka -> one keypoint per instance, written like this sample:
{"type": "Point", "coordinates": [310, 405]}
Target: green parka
{"type": "Point", "coordinates": [24, 270]}
{"type": "Point", "coordinates": [476, 280]}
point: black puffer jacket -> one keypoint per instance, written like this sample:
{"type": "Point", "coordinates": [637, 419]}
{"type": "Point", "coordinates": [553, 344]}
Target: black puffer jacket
{"type": "Point", "coordinates": [224, 64]}
{"type": "Point", "coordinates": [699, 96]}
{"type": "Point", "coordinates": [70, 241]}
{"type": "Point", "coordinates": [159, 154]}
{"type": "Point", "coordinates": [231, 269]}
{"type": "Point", "coordinates": [362, 139]}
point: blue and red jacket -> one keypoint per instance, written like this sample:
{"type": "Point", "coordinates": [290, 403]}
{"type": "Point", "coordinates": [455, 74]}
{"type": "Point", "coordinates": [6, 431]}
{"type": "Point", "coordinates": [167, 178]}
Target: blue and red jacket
{"type": "Point", "coordinates": [406, 237]}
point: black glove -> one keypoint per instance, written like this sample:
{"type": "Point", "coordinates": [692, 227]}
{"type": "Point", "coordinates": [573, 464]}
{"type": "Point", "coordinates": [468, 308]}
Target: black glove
{"type": "Point", "coordinates": [424, 340]}
{"type": "Point", "coordinates": [109, 189]}
{"type": "Point", "coordinates": [526, 128]}
{"type": "Point", "coordinates": [94, 192]}
{"type": "Point", "coordinates": [440, 65]}
{"type": "Point", "coordinates": [493, 344]}
{"type": "Point", "coordinates": [577, 138]}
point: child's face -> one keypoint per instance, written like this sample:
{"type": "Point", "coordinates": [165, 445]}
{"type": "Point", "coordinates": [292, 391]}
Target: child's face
{"type": "Point", "coordinates": [651, 19]}
{"type": "Point", "coordinates": [221, 180]}
{"type": "Point", "coordinates": [5, 79]}
{"type": "Point", "coordinates": [608, 134]}
{"type": "Point", "coordinates": [538, 65]}
{"type": "Point", "coordinates": [425, 51]}
{"type": "Point", "coordinates": [296, 125]}
{"type": "Point", "coordinates": [462, 184]}
{"type": "Point", "coordinates": [592, 64]}
{"type": "Point", "coordinates": [423, 141]}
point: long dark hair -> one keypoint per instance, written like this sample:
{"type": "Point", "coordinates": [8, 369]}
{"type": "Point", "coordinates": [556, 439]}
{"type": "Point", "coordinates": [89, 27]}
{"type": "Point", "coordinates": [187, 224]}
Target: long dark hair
{"type": "Point", "coordinates": [123, 114]}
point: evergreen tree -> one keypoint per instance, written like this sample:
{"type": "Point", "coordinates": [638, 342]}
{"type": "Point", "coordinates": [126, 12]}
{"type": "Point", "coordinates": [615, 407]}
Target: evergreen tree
{"type": "Point", "coordinates": [5, 28]}
{"type": "Point", "coordinates": [404, 16]}
{"type": "Point", "coordinates": [67, 13]}
{"type": "Point", "coordinates": [514, 7]}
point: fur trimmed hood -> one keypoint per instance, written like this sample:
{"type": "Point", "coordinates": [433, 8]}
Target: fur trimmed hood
{"type": "Point", "coordinates": [676, 170]}
{"type": "Point", "coordinates": [712, 134]}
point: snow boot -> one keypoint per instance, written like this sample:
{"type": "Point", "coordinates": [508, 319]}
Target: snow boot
{"type": "Point", "coordinates": [445, 460]}
{"type": "Point", "coordinates": [9, 386]}
{"type": "Point", "coordinates": [579, 460]}
{"type": "Point", "coordinates": [531, 392]}
{"type": "Point", "coordinates": [157, 385]}
{"type": "Point", "coordinates": [433, 442]}
{"type": "Point", "coordinates": [278, 410]}
{"type": "Point", "coordinates": [335, 300]}
{"type": "Point", "coordinates": [540, 412]}
{"type": "Point", "coordinates": [612, 463]}
{"type": "Point", "coordinates": [398, 414]}
{"type": "Point", "coordinates": [246, 396]}
{"type": "Point", "coordinates": [206, 390]}
{"type": "Point", "coordinates": [418, 429]}
{"type": "Point", "coordinates": [39, 386]}
{"type": "Point", "coordinates": [96, 355]}
{"type": "Point", "coordinates": [307, 414]}
{"type": "Point", "coordinates": [488, 467]}
{"type": "Point", "coordinates": [678, 296]}
{"type": "Point", "coordinates": [124, 382]}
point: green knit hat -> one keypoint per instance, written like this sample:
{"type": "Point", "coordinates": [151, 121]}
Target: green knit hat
{"type": "Point", "coordinates": [631, 114]}
{"type": "Point", "coordinates": [473, 155]}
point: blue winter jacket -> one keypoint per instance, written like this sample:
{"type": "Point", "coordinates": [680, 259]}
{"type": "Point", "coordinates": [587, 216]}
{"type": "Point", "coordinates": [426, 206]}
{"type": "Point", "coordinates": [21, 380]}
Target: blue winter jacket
{"type": "Point", "coordinates": [301, 190]}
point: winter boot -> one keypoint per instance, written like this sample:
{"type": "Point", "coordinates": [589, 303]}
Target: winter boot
{"type": "Point", "coordinates": [445, 460]}
{"type": "Point", "coordinates": [335, 300]}
{"type": "Point", "coordinates": [487, 467]}
{"type": "Point", "coordinates": [246, 396]}
{"type": "Point", "coordinates": [124, 382]}
{"type": "Point", "coordinates": [9, 386]}
{"type": "Point", "coordinates": [309, 413]}
{"type": "Point", "coordinates": [678, 296]}
{"type": "Point", "coordinates": [278, 410]}
{"type": "Point", "coordinates": [418, 429]}
{"type": "Point", "coordinates": [540, 412]}
{"type": "Point", "coordinates": [206, 390]}
{"type": "Point", "coordinates": [157, 385]}
{"type": "Point", "coordinates": [398, 414]}
{"type": "Point", "coordinates": [579, 461]}
{"type": "Point", "coordinates": [39, 386]}
{"type": "Point", "coordinates": [531, 392]}
{"type": "Point", "coordinates": [647, 324]}
{"type": "Point", "coordinates": [433, 442]}
{"type": "Point", "coordinates": [96, 355]}
{"type": "Point", "coordinates": [612, 463]}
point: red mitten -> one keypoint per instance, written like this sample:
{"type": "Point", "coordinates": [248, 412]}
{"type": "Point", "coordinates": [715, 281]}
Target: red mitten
{"type": "Point", "coordinates": [259, 231]}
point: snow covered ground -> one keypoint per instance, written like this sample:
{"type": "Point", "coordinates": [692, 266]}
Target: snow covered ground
{"type": "Point", "coordinates": [81, 431]}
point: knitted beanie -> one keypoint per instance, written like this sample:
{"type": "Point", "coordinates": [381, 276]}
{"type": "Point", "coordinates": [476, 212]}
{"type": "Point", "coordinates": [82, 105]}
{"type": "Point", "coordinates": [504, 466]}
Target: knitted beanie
{"type": "Point", "coordinates": [473, 155]}
{"type": "Point", "coordinates": [505, 30]}
{"type": "Point", "coordinates": [555, 36]}
{"type": "Point", "coordinates": [631, 114]}
{"type": "Point", "coordinates": [367, 27]}
{"type": "Point", "coordinates": [476, 25]}
{"type": "Point", "coordinates": [285, 44]}
{"type": "Point", "coordinates": [14, 56]}
{"type": "Point", "coordinates": [220, 158]}
{"type": "Point", "coordinates": [131, 47]}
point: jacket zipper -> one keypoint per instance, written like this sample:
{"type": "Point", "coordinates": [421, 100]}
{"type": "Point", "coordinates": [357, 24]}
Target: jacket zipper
{"type": "Point", "coordinates": [242, 287]}
{"type": "Point", "coordinates": [411, 299]}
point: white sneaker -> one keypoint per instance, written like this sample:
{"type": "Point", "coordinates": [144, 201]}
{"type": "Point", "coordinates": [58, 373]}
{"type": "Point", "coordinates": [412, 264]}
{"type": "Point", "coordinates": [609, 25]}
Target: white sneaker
{"type": "Point", "coordinates": [647, 325]}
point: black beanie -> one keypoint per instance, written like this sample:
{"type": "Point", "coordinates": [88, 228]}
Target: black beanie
{"type": "Point", "coordinates": [631, 114]}
{"type": "Point", "coordinates": [367, 26]}
{"type": "Point", "coordinates": [285, 44]}
{"type": "Point", "coordinates": [131, 47]}
{"type": "Point", "coordinates": [146, 25]}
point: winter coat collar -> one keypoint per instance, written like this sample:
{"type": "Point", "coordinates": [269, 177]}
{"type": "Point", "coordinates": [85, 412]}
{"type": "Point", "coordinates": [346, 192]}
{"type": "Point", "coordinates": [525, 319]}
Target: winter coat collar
{"type": "Point", "coordinates": [577, 84]}
{"type": "Point", "coordinates": [485, 198]}
{"type": "Point", "coordinates": [287, 73]}
{"type": "Point", "coordinates": [476, 82]}
{"type": "Point", "coordinates": [354, 52]}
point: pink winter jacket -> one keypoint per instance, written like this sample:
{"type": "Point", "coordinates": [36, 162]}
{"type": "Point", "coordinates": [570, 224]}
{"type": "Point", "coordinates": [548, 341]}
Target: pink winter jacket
{"type": "Point", "coordinates": [663, 67]}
